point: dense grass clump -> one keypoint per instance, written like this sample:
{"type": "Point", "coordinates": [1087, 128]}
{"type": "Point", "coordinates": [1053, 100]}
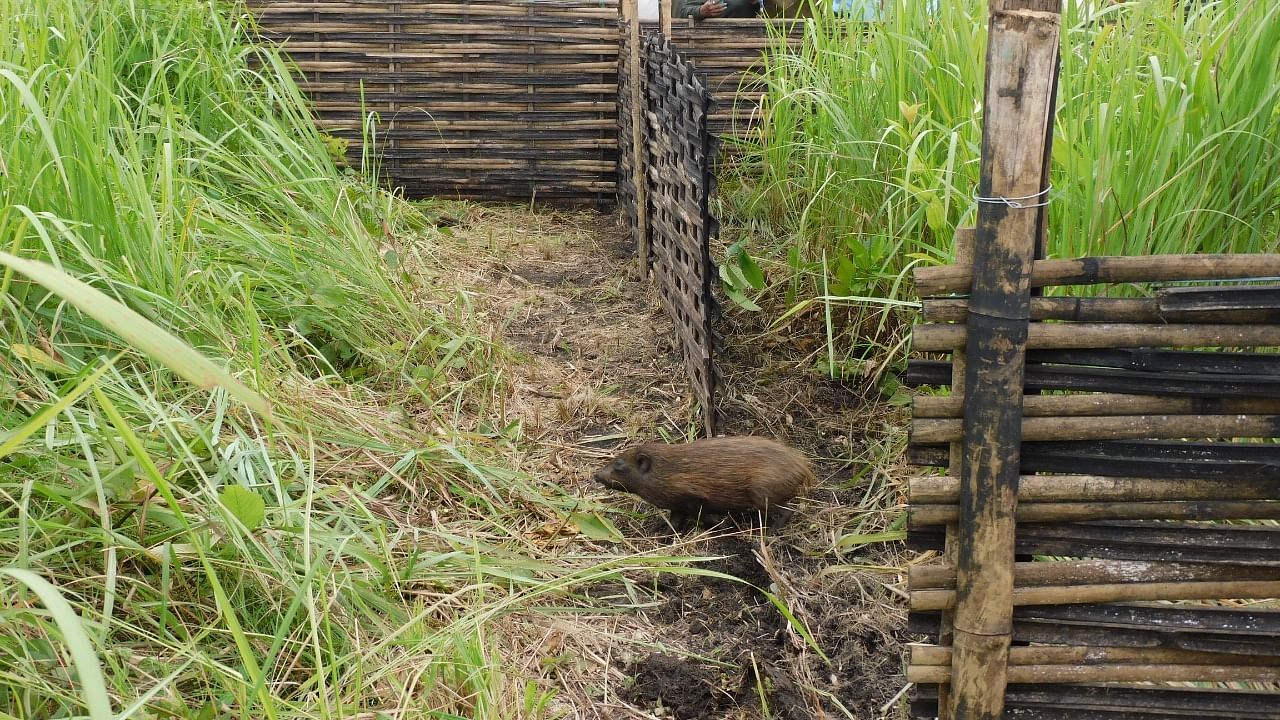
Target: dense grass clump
{"type": "Point", "coordinates": [316, 527]}
{"type": "Point", "coordinates": [1167, 138]}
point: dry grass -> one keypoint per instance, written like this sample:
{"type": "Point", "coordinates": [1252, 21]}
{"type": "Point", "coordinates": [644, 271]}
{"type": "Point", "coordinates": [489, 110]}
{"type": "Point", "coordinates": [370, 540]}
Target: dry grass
{"type": "Point", "coordinates": [592, 367]}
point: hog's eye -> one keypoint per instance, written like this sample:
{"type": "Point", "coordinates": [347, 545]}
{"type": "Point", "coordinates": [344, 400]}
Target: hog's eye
{"type": "Point", "coordinates": [619, 465]}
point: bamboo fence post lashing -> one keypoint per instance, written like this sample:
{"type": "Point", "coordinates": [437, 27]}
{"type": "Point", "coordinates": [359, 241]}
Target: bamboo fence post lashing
{"type": "Point", "coordinates": [1022, 61]}
{"type": "Point", "coordinates": [631, 14]}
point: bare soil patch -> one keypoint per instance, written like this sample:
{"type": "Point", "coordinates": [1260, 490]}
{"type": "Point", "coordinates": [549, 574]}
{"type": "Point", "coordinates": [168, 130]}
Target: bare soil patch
{"type": "Point", "coordinates": [598, 370]}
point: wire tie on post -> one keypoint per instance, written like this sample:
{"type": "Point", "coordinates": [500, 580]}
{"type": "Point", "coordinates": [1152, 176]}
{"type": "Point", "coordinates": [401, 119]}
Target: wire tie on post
{"type": "Point", "coordinates": [1018, 203]}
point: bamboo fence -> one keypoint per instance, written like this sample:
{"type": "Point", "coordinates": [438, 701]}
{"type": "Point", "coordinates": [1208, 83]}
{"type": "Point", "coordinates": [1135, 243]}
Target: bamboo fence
{"type": "Point", "coordinates": [1102, 531]}
{"type": "Point", "coordinates": [666, 185]}
{"type": "Point", "coordinates": [495, 98]}
{"type": "Point", "coordinates": [474, 98]}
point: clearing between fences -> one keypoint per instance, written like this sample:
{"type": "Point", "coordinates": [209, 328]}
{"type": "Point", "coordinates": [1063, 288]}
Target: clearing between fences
{"type": "Point", "coordinates": [594, 368]}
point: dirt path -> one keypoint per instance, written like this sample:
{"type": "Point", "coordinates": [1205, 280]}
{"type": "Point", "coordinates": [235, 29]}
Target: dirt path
{"type": "Point", "coordinates": [598, 370]}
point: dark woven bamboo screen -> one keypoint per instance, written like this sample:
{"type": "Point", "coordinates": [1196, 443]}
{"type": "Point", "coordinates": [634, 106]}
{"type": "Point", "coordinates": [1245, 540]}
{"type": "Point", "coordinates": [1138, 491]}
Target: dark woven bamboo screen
{"type": "Point", "coordinates": [494, 99]}
{"type": "Point", "coordinates": [475, 98]}
{"type": "Point", "coordinates": [729, 53]}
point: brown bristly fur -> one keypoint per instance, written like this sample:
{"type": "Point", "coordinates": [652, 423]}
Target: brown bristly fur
{"type": "Point", "coordinates": [715, 475]}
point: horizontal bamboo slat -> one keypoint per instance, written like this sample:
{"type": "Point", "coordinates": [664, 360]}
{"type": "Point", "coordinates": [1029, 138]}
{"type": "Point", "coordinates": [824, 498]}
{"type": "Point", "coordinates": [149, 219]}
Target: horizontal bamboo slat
{"type": "Point", "coordinates": [1120, 427]}
{"type": "Point", "coordinates": [1203, 628]}
{"type": "Point", "coordinates": [1103, 405]}
{"type": "Point", "coordinates": [1156, 541]}
{"type": "Point", "coordinates": [1045, 336]}
{"type": "Point", "coordinates": [1204, 389]}
{"type": "Point", "coordinates": [923, 515]}
{"type": "Point", "coordinates": [925, 654]}
{"type": "Point", "coordinates": [1125, 672]}
{"type": "Point", "coordinates": [1103, 309]}
{"type": "Point", "coordinates": [942, 575]}
{"type": "Point", "coordinates": [941, 489]}
{"type": "Point", "coordinates": [1117, 702]}
{"type": "Point", "coordinates": [1113, 592]}
{"type": "Point", "coordinates": [943, 279]}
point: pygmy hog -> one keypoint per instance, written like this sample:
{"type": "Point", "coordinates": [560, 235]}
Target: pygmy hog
{"type": "Point", "coordinates": [711, 476]}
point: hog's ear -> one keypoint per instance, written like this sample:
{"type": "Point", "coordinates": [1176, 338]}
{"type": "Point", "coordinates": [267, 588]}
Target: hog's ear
{"type": "Point", "coordinates": [644, 463]}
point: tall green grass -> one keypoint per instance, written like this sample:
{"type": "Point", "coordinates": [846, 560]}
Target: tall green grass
{"type": "Point", "coordinates": [169, 547]}
{"type": "Point", "coordinates": [1167, 138]}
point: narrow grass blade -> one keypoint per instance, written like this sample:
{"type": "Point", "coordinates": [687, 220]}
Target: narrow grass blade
{"type": "Point", "coordinates": [93, 687]}
{"type": "Point", "coordinates": [138, 331]}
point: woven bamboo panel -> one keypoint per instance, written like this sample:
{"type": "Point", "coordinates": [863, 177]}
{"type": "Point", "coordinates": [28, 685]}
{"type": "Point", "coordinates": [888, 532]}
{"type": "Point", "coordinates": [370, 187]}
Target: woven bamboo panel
{"type": "Point", "coordinates": [1137, 473]}
{"type": "Point", "coordinates": [680, 182]}
{"type": "Point", "coordinates": [475, 98]}
{"type": "Point", "coordinates": [730, 53]}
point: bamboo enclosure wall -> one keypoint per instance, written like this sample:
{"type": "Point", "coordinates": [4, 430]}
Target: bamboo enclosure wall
{"type": "Point", "coordinates": [491, 98]}
{"type": "Point", "coordinates": [1103, 529]}
{"type": "Point", "coordinates": [480, 98]}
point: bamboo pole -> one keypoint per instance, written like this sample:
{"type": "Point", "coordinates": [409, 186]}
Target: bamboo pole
{"type": "Point", "coordinates": [1120, 427]}
{"type": "Point", "coordinates": [923, 654]}
{"type": "Point", "coordinates": [942, 576]}
{"type": "Point", "coordinates": [1101, 405]}
{"type": "Point", "coordinates": [965, 239]}
{"type": "Point", "coordinates": [631, 14]}
{"type": "Point", "coordinates": [942, 279]}
{"type": "Point", "coordinates": [1032, 489]}
{"type": "Point", "coordinates": [1022, 59]}
{"type": "Point", "coordinates": [924, 515]}
{"type": "Point", "coordinates": [1065, 336]}
{"type": "Point", "coordinates": [1101, 309]}
{"type": "Point", "coordinates": [1109, 593]}
{"type": "Point", "coordinates": [1118, 673]}
{"type": "Point", "coordinates": [664, 17]}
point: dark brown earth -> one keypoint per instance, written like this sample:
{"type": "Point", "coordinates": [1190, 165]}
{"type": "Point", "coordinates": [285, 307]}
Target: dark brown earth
{"type": "Point", "coordinates": [602, 372]}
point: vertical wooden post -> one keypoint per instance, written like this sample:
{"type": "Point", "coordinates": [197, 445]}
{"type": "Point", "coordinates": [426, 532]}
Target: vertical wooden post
{"type": "Point", "coordinates": [963, 246]}
{"type": "Point", "coordinates": [1022, 56]}
{"type": "Point", "coordinates": [639, 173]}
{"type": "Point", "coordinates": [664, 17]}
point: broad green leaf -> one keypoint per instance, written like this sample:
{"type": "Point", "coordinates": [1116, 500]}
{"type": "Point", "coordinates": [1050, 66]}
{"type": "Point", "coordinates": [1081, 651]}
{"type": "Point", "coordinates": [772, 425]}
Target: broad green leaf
{"type": "Point", "coordinates": [751, 272]}
{"type": "Point", "coordinates": [595, 527]}
{"type": "Point", "coordinates": [247, 505]}
{"type": "Point", "coordinates": [735, 273]}
{"type": "Point", "coordinates": [936, 216]}
{"type": "Point", "coordinates": [143, 334]}
{"type": "Point", "coordinates": [741, 300]}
